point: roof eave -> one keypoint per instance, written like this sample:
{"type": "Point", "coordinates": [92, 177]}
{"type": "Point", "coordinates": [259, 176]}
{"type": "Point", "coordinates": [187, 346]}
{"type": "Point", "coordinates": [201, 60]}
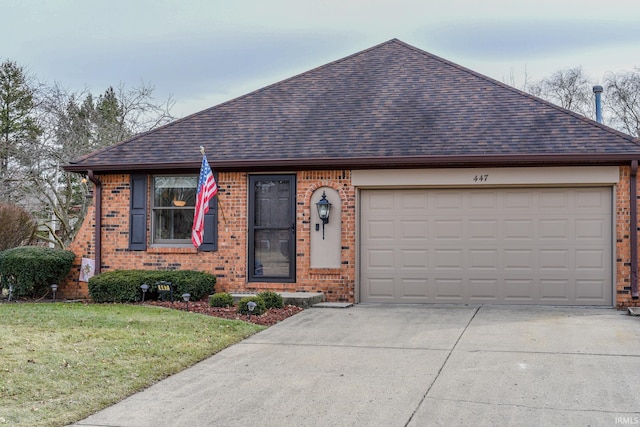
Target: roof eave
{"type": "Point", "coordinates": [370, 162]}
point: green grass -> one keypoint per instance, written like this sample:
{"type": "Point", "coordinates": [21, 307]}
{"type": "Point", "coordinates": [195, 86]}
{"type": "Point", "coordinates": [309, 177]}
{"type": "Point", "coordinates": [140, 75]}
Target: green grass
{"type": "Point", "coordinates": [61, 362]}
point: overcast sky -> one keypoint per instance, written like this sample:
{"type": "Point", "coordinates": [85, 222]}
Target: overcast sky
{"type": "Point", "coordinates": [204, 52]}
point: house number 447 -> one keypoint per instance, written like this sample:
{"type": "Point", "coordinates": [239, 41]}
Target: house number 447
{"type": "Point", "coordinates": [480, 178]}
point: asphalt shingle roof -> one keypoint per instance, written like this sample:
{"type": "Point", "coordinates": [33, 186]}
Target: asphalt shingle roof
{"type": "Point", "coordinates": [392, 104]}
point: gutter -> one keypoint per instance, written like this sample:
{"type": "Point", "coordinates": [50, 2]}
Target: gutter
{"type": "Point", "coordinates": [633, 232]}
{"type": "Point", "coordinates": [371, 162]}
{"type": "Point", "coordinates": [98, 221]}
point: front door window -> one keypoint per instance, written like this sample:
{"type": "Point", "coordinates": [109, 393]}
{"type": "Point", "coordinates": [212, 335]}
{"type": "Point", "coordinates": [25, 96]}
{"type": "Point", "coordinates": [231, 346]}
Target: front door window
{"type": "Point", "coordinates": [272, 228]}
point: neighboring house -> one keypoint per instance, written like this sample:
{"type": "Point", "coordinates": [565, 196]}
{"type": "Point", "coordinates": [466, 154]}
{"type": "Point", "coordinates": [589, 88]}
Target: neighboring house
{"type": "Point", "coordinates": [446, 187]}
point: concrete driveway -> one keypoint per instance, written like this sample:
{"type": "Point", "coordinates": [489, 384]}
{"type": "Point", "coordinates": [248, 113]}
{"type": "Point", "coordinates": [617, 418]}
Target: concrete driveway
{"type": "Point", "coordinates": [417, 365]}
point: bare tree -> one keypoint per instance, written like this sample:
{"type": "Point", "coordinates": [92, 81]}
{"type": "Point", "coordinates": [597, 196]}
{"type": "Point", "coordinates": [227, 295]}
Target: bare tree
{"type": "Point", "coordinates": [75, 124]}
{"type": "Point", "coordinates": [569, 88]}
{"type": "Point", "coordinates": [623, 100]}
{"type": "Point", "coordinates": [17, 227]}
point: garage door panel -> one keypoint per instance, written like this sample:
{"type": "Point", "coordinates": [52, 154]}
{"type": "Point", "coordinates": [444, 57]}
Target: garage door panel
{"type": "Point", "coordinates": [414, 288]}
{"type": "Point", "coordinates": [588, 290]}
{"type": "Point", "coordinates": [518, 201]}
{"type": "Point", "coordinates": [414, 259]}
{"type": "Point", "coordinates": [380, 202]}
{"type": "Point", "coordinates": [554, 229]}
{"type": "Point", "coordinates": [553, 260]}
{"type": "Point", "coordinates": [554, 290]}
{"type": "Point", "coordinates": [483, 259]}
{"type": "Point", "coordinates": [413, 200]}
{"type": "Point", "coordinates": [519, 290]}
{"type": "Point", "coordinates": [590, 229]}
{"type": "Point", "coordinates": [381, 229]}
{"type": "Point", "coordinates": [591, 260]}
{"type": "Point", "coordinates": [483, 230]}
{"type": "Point", "coordinates": [483, 289]}
{"type": "Point", "coordinates": [381, 259]}
{"type": "Point", "coordinates": [448, 229]}
{"type": "Point", "coordinates": [554, 201]}
{"type": "Point", "coordinates": [413, 229]}
{"type": "Point", "coordinates": [448, 259]}
{"type": "Point", "coordinates": [448, 201]}
{"type": "Point", "coordinates": [449, 289]}
{"type": "Point", "coordinates": [483, 201]}
{"type": "Point", "coordinates": [518, 260]}
{"type": "Point", "coordinates": [524, 246]}
{"type": "Point", "coordinates": [518, 229]}
{"type": "Point", "coordinates": [591, 200]}
{"type": "Point", "coordinates": [382, 288]}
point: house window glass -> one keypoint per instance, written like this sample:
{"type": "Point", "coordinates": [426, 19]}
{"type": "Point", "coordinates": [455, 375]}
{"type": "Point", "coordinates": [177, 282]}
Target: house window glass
{"type": "Point", "coordinates": [174, 199]}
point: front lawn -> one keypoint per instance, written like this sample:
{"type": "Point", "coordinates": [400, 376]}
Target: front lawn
{"type": "Point", "coordinates": [61, 362]}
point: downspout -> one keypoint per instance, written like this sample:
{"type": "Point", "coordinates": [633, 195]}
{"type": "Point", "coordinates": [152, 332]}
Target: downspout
{"type": "Point", "coordinates": [633, 235]}
{"type": "Point", "coordinates": [98, 221]}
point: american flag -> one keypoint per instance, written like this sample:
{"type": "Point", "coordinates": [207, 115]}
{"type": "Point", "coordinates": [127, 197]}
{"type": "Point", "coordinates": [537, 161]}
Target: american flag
{"type": "Point", "coordinates": [207, 189]}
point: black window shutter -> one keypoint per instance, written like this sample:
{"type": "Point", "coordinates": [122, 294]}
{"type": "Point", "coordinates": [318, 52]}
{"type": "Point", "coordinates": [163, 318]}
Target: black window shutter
{"type": "Point", "coordinates": [210, 237]}
{"type": "Point", "coordinates": [138, 213]}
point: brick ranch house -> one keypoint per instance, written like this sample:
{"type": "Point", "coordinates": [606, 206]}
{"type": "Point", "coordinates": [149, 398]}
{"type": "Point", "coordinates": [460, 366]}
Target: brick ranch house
{"type": "Point", "coordinates": [445, 187]}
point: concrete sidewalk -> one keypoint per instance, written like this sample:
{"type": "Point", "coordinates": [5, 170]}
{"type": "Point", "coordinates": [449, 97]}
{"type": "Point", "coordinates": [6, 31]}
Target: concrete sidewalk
{"type": "Point", "coordinates": [400, 365]}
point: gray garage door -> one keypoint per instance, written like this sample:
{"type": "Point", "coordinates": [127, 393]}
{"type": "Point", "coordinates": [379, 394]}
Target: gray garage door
{"type": "Point", "coordinates": [496, 246]}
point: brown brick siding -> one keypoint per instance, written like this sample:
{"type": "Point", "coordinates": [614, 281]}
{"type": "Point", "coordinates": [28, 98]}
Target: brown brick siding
{"type": "Point", "coordinates": [229, 262]}
{"type": "Point", "coordinates": [623, 244]}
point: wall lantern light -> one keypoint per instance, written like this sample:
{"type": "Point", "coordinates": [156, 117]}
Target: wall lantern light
{"type": "Point", "coordinates": [324, 208]}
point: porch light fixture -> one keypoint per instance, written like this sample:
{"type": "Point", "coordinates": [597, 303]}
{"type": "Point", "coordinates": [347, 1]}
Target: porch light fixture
{"type": "Point", "coordinates": [144, 288]}
{"type": "Point", "coordinates": [186, 297]}
{"type": "Point", "coordinates": [54, 288]}
{"type": "Point", "coordinates": [324, 208]}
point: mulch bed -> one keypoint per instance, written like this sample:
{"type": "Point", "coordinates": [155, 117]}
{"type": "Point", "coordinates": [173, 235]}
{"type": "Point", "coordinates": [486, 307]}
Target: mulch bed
{"type": "Point", "coordinates": [270, 317]}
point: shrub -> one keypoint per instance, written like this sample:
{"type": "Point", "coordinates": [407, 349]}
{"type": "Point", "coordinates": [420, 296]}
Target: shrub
{"type": "Point", "coordinates": [31, 270]}
{"type": "Point", "coordinates": [221, 299]}
{"type": "Point", "coordinates": [17, 227]}
{"type": "Point", "coordinates": [271, 299]}
{"type": "Point", "coordinates": [243, 307]}
{"type": "Point", "coordinates": [124, 285]}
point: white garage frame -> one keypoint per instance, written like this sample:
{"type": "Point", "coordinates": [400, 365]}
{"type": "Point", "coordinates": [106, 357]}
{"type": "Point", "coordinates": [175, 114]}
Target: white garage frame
{"type": "Point", "coordinates": [532, 177]}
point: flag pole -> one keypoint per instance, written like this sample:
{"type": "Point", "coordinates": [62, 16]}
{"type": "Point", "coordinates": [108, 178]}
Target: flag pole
{"type": "Point", "coordinates": [217, 198]}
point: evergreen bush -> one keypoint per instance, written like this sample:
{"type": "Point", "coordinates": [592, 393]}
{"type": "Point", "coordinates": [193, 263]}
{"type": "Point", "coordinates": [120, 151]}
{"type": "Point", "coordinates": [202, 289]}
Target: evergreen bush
{"type": "Point", "coordinates": [31, 270]}
{"type": "Point", "coordinates": [271, 299]}
{"type": "Point", "coordinates": [221, 299]}
{"type": "Point", "coordinates": [124, 285]}
{"type": "Point", "coordinates": [259, 309]}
